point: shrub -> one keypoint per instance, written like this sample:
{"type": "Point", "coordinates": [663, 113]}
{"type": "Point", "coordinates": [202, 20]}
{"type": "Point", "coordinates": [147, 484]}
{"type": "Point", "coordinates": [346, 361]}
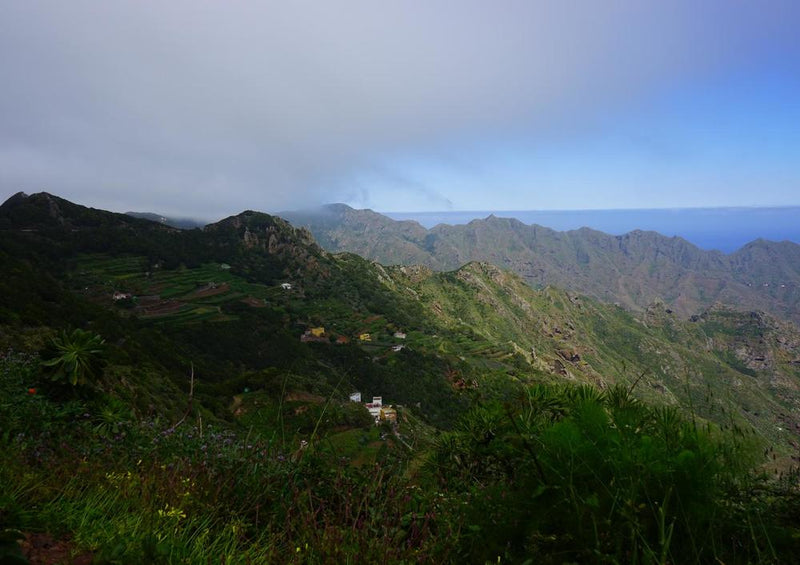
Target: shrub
{"type": "Point", "coordinates": [573, 474]}
{"type": "Point", "coordinates": [78, 356]}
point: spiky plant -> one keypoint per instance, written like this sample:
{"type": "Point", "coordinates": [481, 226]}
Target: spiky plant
{"type": "Point", "coordinates": [79, 354]}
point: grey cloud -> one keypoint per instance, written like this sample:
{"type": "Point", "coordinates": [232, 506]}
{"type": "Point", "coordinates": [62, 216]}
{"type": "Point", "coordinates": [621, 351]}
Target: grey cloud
{"type": "Point", "coordinates": [403, 189]}
{"type": "Point", "coordinates": [207, 108]}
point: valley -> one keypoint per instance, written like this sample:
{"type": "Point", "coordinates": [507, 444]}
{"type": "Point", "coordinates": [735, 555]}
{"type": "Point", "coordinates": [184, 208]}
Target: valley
{"type": "Point", "coordinates": [249, 332]}
{"type": "Point", "coordinates": [632, 270]}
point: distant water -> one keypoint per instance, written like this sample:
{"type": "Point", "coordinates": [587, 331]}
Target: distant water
{"type": "Point", "coordinates": [725, 229]}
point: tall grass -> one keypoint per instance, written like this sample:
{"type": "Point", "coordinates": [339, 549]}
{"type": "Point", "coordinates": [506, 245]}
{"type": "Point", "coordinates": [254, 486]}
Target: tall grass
{"type": "Point", "coordinates": [564, 474]}
{"type": "Point", "coordinates": [573, 474]}
{"type": "Point", "coordinates": [147, 492]}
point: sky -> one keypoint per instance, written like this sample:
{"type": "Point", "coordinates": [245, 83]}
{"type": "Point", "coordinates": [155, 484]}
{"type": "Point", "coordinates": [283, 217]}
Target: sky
{"type": "Point", "coordinates": [203, 109]}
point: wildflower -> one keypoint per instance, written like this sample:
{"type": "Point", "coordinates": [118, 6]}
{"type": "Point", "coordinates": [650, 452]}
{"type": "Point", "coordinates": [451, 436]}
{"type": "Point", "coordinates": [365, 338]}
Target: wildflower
{"type": "Point", "coordinates": [172, 512]}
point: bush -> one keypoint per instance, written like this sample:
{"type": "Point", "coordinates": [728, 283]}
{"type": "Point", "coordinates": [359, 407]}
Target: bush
{"type": "Point", "coordinates": [573, 474]}
{"type": "Point", "coordinates": [78, 356]}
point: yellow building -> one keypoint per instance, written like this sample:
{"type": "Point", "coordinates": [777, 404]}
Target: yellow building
{"type": "Point", "coordinates": [318, 332]}
{"type": "Point", "coordinates": [365, 337]}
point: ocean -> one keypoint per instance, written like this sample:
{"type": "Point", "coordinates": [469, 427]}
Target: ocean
{"type": "Point", "coordinates": [724, 229]}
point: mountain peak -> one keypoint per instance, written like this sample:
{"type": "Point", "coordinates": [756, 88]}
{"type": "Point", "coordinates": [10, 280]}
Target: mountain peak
{"type": "Point", "coordinates": [261, 230]}
{"type": "Point", "coordinates": [251, 220]}
{"type": "Point", "coordinates": [338, 207]}
{"type": "Point", "coordinates": [631, 269]}
{"type": "Point", "coordinates": [43, 210]}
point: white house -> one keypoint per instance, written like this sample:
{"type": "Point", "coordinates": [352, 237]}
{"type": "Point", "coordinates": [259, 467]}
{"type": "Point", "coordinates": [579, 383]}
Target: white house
{"type": "Point", "coordinates": [375, 407]}
{"type": "Point", "coordinates": [286, 286]}
{"type": "Point", "coordinates": [355, 397]}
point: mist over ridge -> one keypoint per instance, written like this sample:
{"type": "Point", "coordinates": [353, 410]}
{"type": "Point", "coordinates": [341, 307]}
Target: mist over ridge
{"type": "Point", "coordinates": [203, 110]}
{"type": "Point", "coordinates": [400, 282]}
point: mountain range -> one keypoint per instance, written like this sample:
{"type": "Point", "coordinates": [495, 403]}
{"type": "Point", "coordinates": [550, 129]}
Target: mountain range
{"type": "Point", "coordinates": [184, 386]}
{"type": "Point", "coordinates": [631, 270]}
{"type": "Point", "coordinates": [213, 299]}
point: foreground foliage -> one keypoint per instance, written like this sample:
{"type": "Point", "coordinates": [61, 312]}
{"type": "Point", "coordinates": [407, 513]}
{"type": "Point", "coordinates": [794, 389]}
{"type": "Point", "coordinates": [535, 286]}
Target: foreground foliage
{"type": "Point", "coordinates": [77, 357]}
{"type": "Point", "coordinates": [565, 474]}
{"type": "Point", "coordinates": [147, 491]}
{"type": "Point", "coordinates": [571, 474]}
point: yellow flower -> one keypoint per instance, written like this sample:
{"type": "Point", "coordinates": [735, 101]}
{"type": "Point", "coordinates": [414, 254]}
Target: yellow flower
{"type": "Point", "coordinates": [172, 512]}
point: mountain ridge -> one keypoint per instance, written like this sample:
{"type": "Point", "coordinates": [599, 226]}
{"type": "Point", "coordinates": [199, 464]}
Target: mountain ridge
{"type": "Point", "coordinates": [632, 269]}
{"type": "Point", "coordinates": [215, 299]}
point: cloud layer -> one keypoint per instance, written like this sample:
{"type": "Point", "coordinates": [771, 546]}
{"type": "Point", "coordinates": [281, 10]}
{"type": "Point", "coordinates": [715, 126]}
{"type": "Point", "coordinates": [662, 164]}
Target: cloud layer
{"type": "Point", "coordinates": [206, 108]}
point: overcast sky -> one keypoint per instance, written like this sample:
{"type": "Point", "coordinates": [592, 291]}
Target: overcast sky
{"type": "Point", "coordinates": [204, 109]}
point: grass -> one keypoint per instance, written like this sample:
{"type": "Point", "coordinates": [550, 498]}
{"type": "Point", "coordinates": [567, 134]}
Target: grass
{"type": "Point", "coordinates": [576, 474]}
{"type": "Point", "coordinates": [561, 473]}
{"type": "Point", "coordinates": [360, 446]}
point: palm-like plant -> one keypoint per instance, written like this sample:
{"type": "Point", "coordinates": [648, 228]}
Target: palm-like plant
{"type": "Point", "coordinates": [79, 353]}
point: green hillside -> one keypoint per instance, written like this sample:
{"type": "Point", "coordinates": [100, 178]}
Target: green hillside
{"type": "Point", "coordinates": [731, 367]}
{"type": "Point", "coordinates": [633, 269]}
{"type": "Point", "coordinates": [182, 395]}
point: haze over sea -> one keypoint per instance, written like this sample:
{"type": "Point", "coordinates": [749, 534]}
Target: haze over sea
{"type": "Point", "coordinates": [724, 229]}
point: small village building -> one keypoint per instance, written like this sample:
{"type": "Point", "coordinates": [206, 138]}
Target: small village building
{"type": "Point", "coordinates": [375, 407]}
{"type": "Point", "coordinates": [224, 266]}
{"type": "Point", "coordinates": [341, 340]}
{"type": "Point", "coordinates": [397, 348]}
{"type": "Point", "coordinates": [286, 286]}
{"type": "Point", "coordinates": [314, 334]}
{"type": "Point", "coordinates": [355, 397]}
{"type": "Point", "coordinates": [399, 335]}
{"type": "Point", "coordinates": [379, 411]}
{"type": "Point", "coordinates": [121, 295]}
{"type": "Point", "coordinates": [365, 337]}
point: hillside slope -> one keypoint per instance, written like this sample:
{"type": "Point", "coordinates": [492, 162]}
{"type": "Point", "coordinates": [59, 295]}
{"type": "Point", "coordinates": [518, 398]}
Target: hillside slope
{"type": "Point", "coordinates": [716, 360]}
{"type": "Point", "coordinates": [632, 270]}
{"type": "Point", "coordinates": [237, 302]}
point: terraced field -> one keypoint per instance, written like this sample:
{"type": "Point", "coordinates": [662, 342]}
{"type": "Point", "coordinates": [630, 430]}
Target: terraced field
{"type": "Point", "coordinates": [201, 294]}
{"type": "Point", "coordinates": [183, 295]}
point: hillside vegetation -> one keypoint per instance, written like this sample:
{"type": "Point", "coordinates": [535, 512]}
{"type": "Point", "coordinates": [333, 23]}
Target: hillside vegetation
{"type": "Point", "coordinates": [182, 396]}
{"type": "Point", "coordinates": [632, 269]}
